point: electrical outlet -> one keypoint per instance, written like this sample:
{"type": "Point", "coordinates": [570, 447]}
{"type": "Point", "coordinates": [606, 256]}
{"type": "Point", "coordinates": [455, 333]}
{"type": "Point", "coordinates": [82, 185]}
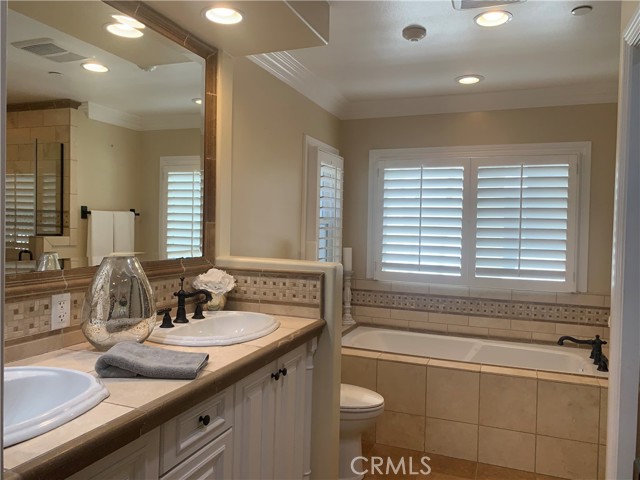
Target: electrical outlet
{"type": "Point", "coordinates": [60, 311]}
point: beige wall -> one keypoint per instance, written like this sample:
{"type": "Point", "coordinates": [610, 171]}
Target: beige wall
{"type": "Point", "coordinates": [118, 169]}
{"type": "Point", "coordinates": [270, 120]}
{"type": "Point", "coordinates": [595, 123]}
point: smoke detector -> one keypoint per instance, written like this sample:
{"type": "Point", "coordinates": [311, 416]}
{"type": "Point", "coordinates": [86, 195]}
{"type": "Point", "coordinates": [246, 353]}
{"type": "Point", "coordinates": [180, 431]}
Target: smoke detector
{"type": "Point", "coordinates": [47, 48]}
{"type": "Point", "coordinates": [414, 33]}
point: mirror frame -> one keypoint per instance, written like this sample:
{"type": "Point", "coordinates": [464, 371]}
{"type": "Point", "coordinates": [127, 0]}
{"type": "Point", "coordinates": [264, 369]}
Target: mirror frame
{"type": "Point", "coordinates": [41, 283]}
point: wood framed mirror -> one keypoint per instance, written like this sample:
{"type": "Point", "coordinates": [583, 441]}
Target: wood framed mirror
{"type": "Point", "coordinates": [26, 284]}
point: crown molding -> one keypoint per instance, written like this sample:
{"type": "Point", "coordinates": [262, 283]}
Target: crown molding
{"type": "Point", "coordinates": [285, 67]}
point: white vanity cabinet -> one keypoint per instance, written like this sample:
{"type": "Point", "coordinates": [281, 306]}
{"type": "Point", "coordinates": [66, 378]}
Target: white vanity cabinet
{"type": "Point", "coordinates": [258, 428]}
{"type": "Point", "coordinates": [270, 420]}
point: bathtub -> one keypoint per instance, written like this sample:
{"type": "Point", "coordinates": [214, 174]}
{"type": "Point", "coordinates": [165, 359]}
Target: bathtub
{"type": "Point", "coordinates": [479, 351]}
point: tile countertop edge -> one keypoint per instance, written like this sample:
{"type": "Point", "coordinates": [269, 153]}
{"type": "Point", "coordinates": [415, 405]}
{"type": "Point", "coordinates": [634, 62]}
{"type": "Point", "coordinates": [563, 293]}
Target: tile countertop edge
{"type": "Point", "coordinates": [71, 457]}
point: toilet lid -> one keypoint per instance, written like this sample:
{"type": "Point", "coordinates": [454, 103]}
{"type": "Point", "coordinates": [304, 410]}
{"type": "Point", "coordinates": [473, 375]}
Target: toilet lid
{"type": "Point", "coordinates": [353, 397]}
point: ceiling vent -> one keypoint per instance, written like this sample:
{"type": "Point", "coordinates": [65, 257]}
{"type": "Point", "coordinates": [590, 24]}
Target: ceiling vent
{"type": "Point", "coordinates": [471, 4]}
{"type": "Point", "coordinates": [47, 48]}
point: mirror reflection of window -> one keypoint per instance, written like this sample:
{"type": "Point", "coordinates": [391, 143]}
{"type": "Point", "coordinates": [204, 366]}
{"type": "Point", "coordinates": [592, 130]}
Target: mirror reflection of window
{"type": "Point", "coordinates": [181, 215]}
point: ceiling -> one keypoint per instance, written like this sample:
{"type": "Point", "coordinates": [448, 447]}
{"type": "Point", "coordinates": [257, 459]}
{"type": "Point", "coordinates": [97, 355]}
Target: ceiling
{"type": "Point", "coordinates": [543, 56]}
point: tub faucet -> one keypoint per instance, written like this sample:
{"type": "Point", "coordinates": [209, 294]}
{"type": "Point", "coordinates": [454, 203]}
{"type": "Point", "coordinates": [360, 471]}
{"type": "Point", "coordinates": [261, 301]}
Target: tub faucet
{"type": "Point", "coordinates": [22, 252]}
{"type": "Point", "coordinates": [181, 314]}
{"type": "Point", "coordinates": [596, 350]}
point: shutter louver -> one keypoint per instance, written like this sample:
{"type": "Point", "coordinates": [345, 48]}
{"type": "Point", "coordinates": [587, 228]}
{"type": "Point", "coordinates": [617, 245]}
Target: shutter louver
{"type": "Point", "coordinates": [184, 214]}
{"type": "Point", "coordinates": [522, 222]}
{"type": "Point", "coordinates": [422, 220]}
{"type": "Point", "coordinates": [20, 197]}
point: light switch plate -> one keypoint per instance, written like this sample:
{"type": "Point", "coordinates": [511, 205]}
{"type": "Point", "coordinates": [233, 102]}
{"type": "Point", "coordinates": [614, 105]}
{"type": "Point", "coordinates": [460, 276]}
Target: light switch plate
{"type": "Point", "coordinates": [60, 311]}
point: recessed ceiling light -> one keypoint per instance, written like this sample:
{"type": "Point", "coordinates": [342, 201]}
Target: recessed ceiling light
{"type": "Point", "coordinates": [197, 101]}
{"type": "Point", "coordinates": [493, 18]}
{"type": "Point", "coordinates": [469, 79]}
{"type": "Point", "coordinates": [132, 22]}
{"type": "Point", "coordinates": [123, 30]}
{"type": "Point", "coordinates": [95, 67]}
{"type": "Point", "coordinates": [223, 15]}
{"type": "Point", "coordinates": [582, 10]}
{"type": "Point", "coordinates": [414, 33]}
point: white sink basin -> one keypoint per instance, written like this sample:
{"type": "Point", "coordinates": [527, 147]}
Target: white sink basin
{"type": "Point", "coordinates": [217, 328]}
{"type": "Point", "coordinates": [39, 399]}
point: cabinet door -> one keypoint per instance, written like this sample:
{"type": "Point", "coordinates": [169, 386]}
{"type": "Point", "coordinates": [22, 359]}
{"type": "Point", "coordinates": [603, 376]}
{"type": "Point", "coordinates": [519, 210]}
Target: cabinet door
{"type": "Point", "coordinates": [211, 462]}
{"type": "Point", "coordinates": [254, 425]}
{"type": "Point", "coordinates": [290, 415]}
{"type": "Point", "coordinates": [135, 461]}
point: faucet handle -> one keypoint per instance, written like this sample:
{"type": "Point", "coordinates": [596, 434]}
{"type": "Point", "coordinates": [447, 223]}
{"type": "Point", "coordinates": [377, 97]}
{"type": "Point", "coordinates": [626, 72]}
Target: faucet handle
{"type": "Point", "coordinates": [166, 319]}
{"type": "Point", "coordinates": [198, 315]}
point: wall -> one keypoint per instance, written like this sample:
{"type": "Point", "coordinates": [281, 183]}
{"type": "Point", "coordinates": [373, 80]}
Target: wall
{"type": "Point", "coordinates": [595, 123]}
{"type": "Point", "coordinates": [270, 120]}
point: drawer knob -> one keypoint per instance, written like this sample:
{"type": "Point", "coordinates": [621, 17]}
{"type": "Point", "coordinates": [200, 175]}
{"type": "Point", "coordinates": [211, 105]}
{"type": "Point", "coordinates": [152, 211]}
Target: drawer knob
{"type": "Point", "coordinates": [276, 376]}
{"type": "Point", "coordinates": [283, 371]}
{"type": "Point", "coordinates": [205, 420]}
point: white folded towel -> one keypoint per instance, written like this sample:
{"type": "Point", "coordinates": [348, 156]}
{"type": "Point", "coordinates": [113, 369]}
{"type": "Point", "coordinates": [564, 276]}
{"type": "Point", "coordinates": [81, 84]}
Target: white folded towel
{"type": "Point", "coordinates": [99, 236]}
{"type": "Point", "coordinates": [123, 232]}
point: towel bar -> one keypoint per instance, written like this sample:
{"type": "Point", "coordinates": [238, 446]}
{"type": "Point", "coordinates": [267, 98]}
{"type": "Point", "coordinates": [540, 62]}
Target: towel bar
{"type": "Point", "coordinates": [84, 212]}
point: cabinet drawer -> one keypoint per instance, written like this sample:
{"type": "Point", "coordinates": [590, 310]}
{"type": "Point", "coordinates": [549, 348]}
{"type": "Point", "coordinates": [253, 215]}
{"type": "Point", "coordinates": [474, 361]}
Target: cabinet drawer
{"type": "Point", "coordinates": [213, 461]}
{"type": "Point", "coordinates": [191, 430]}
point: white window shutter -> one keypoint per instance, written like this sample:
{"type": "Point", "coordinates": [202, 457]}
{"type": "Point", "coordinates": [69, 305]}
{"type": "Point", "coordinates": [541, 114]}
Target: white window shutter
{"type": "Point", "coordinates": [422, 220]}
{"type": "Point", "coordinates": [20, 197]}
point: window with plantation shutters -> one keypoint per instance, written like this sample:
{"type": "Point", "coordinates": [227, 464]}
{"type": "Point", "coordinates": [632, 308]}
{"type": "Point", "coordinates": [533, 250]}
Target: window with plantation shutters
{"type": "Point", "coordinates": [181, 212]}
{"type": "Point", "coordinates": [502, 216]}
{"type": "Point", "coordinates": [324, 205]}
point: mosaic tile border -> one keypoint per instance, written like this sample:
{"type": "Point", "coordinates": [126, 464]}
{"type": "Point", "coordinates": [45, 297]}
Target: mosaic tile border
{"type": "Point", "coordinates": [482, 307]}
{"type": "Point", "coordinates": [277, 287]}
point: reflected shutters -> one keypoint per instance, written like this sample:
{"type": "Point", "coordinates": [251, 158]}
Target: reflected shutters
{"type": "Point", "coordinates": [422, 220]}
{"type": "Point", "coordinates": [20, 197]}
{"type": "Point", "coordinates": [184, 214]}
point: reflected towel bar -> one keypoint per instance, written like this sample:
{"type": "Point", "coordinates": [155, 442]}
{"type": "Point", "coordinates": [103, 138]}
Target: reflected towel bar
{"type": "Point", "coordinates": [84, 212]}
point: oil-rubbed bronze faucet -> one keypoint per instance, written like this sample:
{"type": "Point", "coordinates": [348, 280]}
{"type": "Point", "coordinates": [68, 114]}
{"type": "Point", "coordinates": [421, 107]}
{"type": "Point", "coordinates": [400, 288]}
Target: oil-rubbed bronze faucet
{"type": "Point", "coordinates": [596, 350]}
{"type": "Point", "coordinates": [181, 314]}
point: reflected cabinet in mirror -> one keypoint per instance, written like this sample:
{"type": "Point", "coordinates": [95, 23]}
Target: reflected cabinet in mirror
{"type": "Point", "coordinates": [126, 116]}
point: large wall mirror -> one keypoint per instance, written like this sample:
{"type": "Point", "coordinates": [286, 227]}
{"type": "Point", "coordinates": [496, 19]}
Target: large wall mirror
{"type": "Point", "coordinates": [130, 138]}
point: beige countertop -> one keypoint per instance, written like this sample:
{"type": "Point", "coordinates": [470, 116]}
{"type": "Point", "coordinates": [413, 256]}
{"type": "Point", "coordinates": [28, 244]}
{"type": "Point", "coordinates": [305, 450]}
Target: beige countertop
{"type": "Point", "coordinates": [138, 405]}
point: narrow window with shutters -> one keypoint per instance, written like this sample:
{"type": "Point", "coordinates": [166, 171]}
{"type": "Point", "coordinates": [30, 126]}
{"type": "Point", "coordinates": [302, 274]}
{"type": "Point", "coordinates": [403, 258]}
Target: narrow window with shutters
{"type": "Point", "coordinates": [181, 215]}
{"type": "Point", "coordinates": [20, 198]}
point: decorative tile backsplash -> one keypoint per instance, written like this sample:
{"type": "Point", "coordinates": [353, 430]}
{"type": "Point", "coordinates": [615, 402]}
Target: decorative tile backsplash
{"type": "Point", "coordinates": [482, 307]}
{"type": "Point", "coordinates": [292, 288]}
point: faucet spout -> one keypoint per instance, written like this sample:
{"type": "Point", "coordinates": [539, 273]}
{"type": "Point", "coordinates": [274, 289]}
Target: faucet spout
{"type": "Point", "coordinates": [181, 314]}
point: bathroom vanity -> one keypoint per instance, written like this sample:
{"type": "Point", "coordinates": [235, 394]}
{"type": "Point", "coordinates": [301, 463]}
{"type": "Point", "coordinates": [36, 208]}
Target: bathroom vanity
{"type": "Point", "coordinates": [247, 415]}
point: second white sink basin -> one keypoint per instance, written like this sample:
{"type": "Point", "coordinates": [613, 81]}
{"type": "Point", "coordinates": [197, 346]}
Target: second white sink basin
{"type": "Point", "coordinates": [39, 399]}
{"type": "Point", "coordinates": [217, 328]}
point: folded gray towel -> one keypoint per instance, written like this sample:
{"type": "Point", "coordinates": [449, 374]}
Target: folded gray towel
{"type": "Point", "coordinates": [131, 359]}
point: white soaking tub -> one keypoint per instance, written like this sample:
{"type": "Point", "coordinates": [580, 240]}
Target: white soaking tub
{"type": "Point", "coordinates": [487, 352]}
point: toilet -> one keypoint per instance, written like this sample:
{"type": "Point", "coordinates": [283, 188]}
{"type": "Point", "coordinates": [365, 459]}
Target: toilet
{"type": "Point", "coordinates": [359, 408]}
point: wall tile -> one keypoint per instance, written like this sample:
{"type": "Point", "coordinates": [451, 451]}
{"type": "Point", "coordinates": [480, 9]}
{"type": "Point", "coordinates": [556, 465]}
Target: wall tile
{"type": "Point", "coordinates": [526, 296]}
{"type": "Point", "coordinates": [453, 394]}
{"type": "Point", "coordinates": [489, 322]}
{"type": "Point", "coordinates": [568, 411]}
{"type": "Point", "coordinates": [453, 439]}
{"type": "Point", "coordinates": [469, 331]}
{"type": "Point", "coordinates": [402, 386]}
{"type": "Point", "coordinates": [410, 315]}
{"type": "Point", "coordinates": [533, 326]}
{"type": "Point", "coordinates": [31, 118]}
{"type": "Point", "coordinates": [401, 430]}
{"type": "Point", "coordinates": [581, 299]}
{"type": "Point", "coordinates": [604, 400]}
{"type": "Point", "coordinates": [507, 448]}
{"type": "Point", "coordinates": [359, 371]}
{"type": "Point", "coordinates": [448, 319]}
{"type": "Point", "coordinates": [602, 462]}
{"type": "Point", "coordinates": [508, 402]}
{"type": "Point", "coordinates": [566, 458]}
{"type": "Point", "coordinates": [509, 335]}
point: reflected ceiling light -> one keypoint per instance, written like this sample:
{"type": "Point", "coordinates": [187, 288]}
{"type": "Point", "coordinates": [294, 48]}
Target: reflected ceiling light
{"type": "Point", "coordinates": [469, 79]}
{"type": "Point", "coordinates": [223, 15]}
{"type": "Point", "coordinates": [123, 30]}
{"type": "Point", "coordinates": [197, 101]}
{"type": "Point", "coordinates": [95, 67]}
{"type": "Point", "coordinates": [493, 18]}
{"type": "Point", "coordinates": [125, 20]}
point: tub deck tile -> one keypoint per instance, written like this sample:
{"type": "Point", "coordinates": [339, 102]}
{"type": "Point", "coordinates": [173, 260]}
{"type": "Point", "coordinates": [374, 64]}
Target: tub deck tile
{"type": "Point", "coordinates": [410, 359]}
{"type": "Point", "coordinates": [470, 367]}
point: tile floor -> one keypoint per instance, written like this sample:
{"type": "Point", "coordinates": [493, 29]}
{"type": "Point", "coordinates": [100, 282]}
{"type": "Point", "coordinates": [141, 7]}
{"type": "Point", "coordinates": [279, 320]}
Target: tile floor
{"type": "Point", "coordinates": [445, 468]}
